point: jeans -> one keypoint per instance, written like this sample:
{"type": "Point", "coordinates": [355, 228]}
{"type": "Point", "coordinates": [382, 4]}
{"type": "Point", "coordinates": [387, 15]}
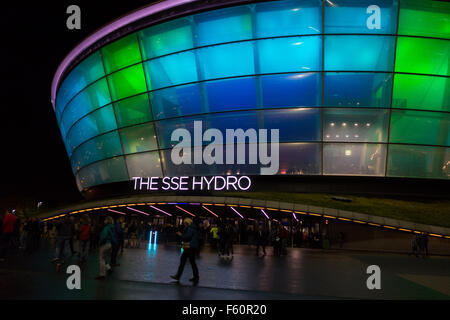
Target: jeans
{"type": "Point", "coordinates": [62, 246]}
{"type": "Point", "coordinates": [84, 248]}
{"type": "Point", "coordinates": [188, 254]}
{"type": "Point", "coordinates": [104, 257]}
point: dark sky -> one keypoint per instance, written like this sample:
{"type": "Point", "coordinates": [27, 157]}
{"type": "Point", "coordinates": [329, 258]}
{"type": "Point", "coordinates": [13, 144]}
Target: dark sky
{"type": "Point", "coordinates": [35, 39]}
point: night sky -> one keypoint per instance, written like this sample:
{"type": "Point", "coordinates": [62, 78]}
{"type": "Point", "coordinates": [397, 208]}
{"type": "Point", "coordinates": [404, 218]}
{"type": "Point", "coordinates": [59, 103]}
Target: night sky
{"type": "Point", "coordinates": [35, 40]}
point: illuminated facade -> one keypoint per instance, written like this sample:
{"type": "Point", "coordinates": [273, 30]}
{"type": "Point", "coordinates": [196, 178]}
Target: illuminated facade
{"type": "Point", "coordinates": [355, 87]}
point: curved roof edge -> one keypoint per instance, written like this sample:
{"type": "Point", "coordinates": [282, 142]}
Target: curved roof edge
{"type": "Point", "coordinates": [348, 216]}
{"type": "Point", "coordinates": [111, 27]}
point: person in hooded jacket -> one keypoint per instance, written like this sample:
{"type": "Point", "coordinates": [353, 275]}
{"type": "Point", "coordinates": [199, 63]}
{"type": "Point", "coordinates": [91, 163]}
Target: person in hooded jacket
{"type": "Point", "coordinates": [190, 246]}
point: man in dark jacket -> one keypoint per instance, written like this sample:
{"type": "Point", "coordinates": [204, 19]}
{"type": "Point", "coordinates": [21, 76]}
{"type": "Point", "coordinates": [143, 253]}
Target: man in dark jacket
{"type": "Point", "coordinates": [117, 245]}
{"type": "Point", "coordinates": [261, 240]}
{"type": "Point", "coordinates": [64, 231]}
{"type": "Point", "coordinates": [190, 246]}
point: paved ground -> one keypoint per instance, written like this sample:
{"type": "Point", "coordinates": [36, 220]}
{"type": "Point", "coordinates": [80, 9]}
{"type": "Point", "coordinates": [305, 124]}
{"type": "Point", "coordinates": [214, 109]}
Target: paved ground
{"type": "Point", "coordinates": [303, 274]}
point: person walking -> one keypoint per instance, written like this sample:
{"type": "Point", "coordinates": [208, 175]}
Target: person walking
{"type": "Point", "coordinates": [107, 241]}
{"type": "Point", "coordinates": [189, 244]}
{"type": "Point", "coordinates": [84, 236]}
{"type": "Point", "coordinates": [215, 236]}
{"type": "Point", "coordinates": [261, 240]}
{"type": "Point", "coordinates": [64, 231]}
{"type": "Point", "coordinates": [414, 246]}
{"type": "Point", "coordinates": [119, 234]}
{"type": "Point", "coordinates": [8, 224]}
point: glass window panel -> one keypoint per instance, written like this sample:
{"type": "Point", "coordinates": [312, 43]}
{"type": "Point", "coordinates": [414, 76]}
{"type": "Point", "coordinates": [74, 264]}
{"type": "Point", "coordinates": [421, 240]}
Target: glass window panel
{"type": "Point", "coordinates": [133, 110]}
{"type": "Point", "coordinates": [357, 89]}
{"type": "Point", "coordinates": [164, 129]}
{"type": "Point", "coordinates": [93, 97]}
{"type": "Point", "coordinates": [105, 146]}
{"type": "Point", "coordinates": [359, 53]}
{"type": "Point", "coordinates": [298, 124]}
{"type": "Point", "coordinates": [300, 158]}
{"type": "Point", "coordinates": [139, 138]}
{"type": "Point", "coordinates": [420, 127]}
{"type": "Point", "coordinates": [244, 120]}
{"type": "Point", "coordinates": [127, 82]}
{"type": "Point", "coordinates": [418, 162]}
{"type": "Point", "coordinates": [217, 169]}
{"type": "Point", "coordinates": [231, 94]}
{"type": "Point", "coordinates": [221, 61]}
{"type": "Point", "coordinates": [218, 26]}
{"type": "Point", "coordinates": [106, 171]}
{"type": "Point", "coordinates": [421, 92]}
{"type": "Point", "coordinates": [92, 125]}
{"type": "Point", "coordinates": [355, 125]}
{"type": "Point", "coordinates": [81, 76]}
{"type": "Point", "coordinates": [144, 165]}
{"type": "Point", "coordinates": [428, 56]}
{"type": "Point", "coordinates": [176, 101]}
{"type": "Point", "coordinates": [291, 90]}
{"type": "Point", "coordinates": [286, 18]}
{"type": "Point", "coordinates": [289, 54]}
{"type": "Point", "coordinates": [121, 53]}
{"type": "Point", "coordinates": [350, 16]}
{"type": "Point", "coordinates": [424, 18]}
{"type": "Point", "coordinates": [165, 38]}
{"type": "Point", "coordinates": [354, 159]}
{"type": "Point", "coordinates": [166, 71]}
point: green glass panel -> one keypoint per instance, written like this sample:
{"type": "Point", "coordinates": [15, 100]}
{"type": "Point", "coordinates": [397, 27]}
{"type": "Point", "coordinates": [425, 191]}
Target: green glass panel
{"type": "Point", "coordinates": [139, 138]}
{"type": "Point", "coordinates": [424, 18]}
{"type": "Point", "coordinates": [418, 162]}
{"type": "Point", "coordinates": [421, 92]}
{"type": "Point", "coordinates": [428, 56]}
{"type": "Point", "coordinates": [127, 82]}
{"type": "Point", "coordinates": [420, 127]}
{"type": "Point", "coordinates": [133, 110]}
{"type": "Point", "coordinates": [121, 53]}
{"type": "Point", "coordinates": [166, 38]}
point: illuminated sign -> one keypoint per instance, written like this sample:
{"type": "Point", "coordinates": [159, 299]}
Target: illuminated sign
{"type": "Point", "coordinates": [185, 183]}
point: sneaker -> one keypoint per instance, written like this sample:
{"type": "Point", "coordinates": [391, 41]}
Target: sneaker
{"type": "Point", "coordinates": [194, 281]}
{"type": "Point", "coordinates": [175, 278]}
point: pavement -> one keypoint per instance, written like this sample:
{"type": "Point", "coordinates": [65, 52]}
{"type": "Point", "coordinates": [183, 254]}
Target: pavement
{"type": "Point", "coordinates": [304, 273]}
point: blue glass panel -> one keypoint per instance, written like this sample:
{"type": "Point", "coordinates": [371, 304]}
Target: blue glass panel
{"type": "Point", "coordinates": [352, 16]}
{"type": "Point", "coordinates": [106, 171]}
{"type": "Point", "coordinates": [165, 38]}
{"type": "Point", "coordinates": [289, 54]}
{"type": "Point", "coordinates": [171, 70]}
{"type": "Point", "coordinates": [82, 75]}
{"type": "Point", "coordinates": [297, 124]}
{"type": "Point", "coordinates": [164, 129]}
{"type": "Point", "coordinates": [93, 97]}
{"type": "Point", "coordinates": [231, 94]}
{"type": "Point", "coordinates": [358, 89]}
{"type": "Point", "coordinates": [229, 24]}
{"type": "Point", "coordinates": [228, 60]}
{"type": "Point", "coordinates": [286, 18]}
{"type": "Point", "coordinates": [291, 90]}
{"type": "Point", "coordinates": [359, 53]}
{"type": "Point", "coordinates": [176, 101]}
{"type": "Point", "coordinates": [102, 147]}
{"type": "Point", "coordinates": [232, 120]}
{"type": "Point", "coordinates": [96, 123]}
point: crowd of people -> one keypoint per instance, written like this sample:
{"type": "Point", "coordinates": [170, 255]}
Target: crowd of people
{"type": "Point", "coordinates": [109, 236]}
